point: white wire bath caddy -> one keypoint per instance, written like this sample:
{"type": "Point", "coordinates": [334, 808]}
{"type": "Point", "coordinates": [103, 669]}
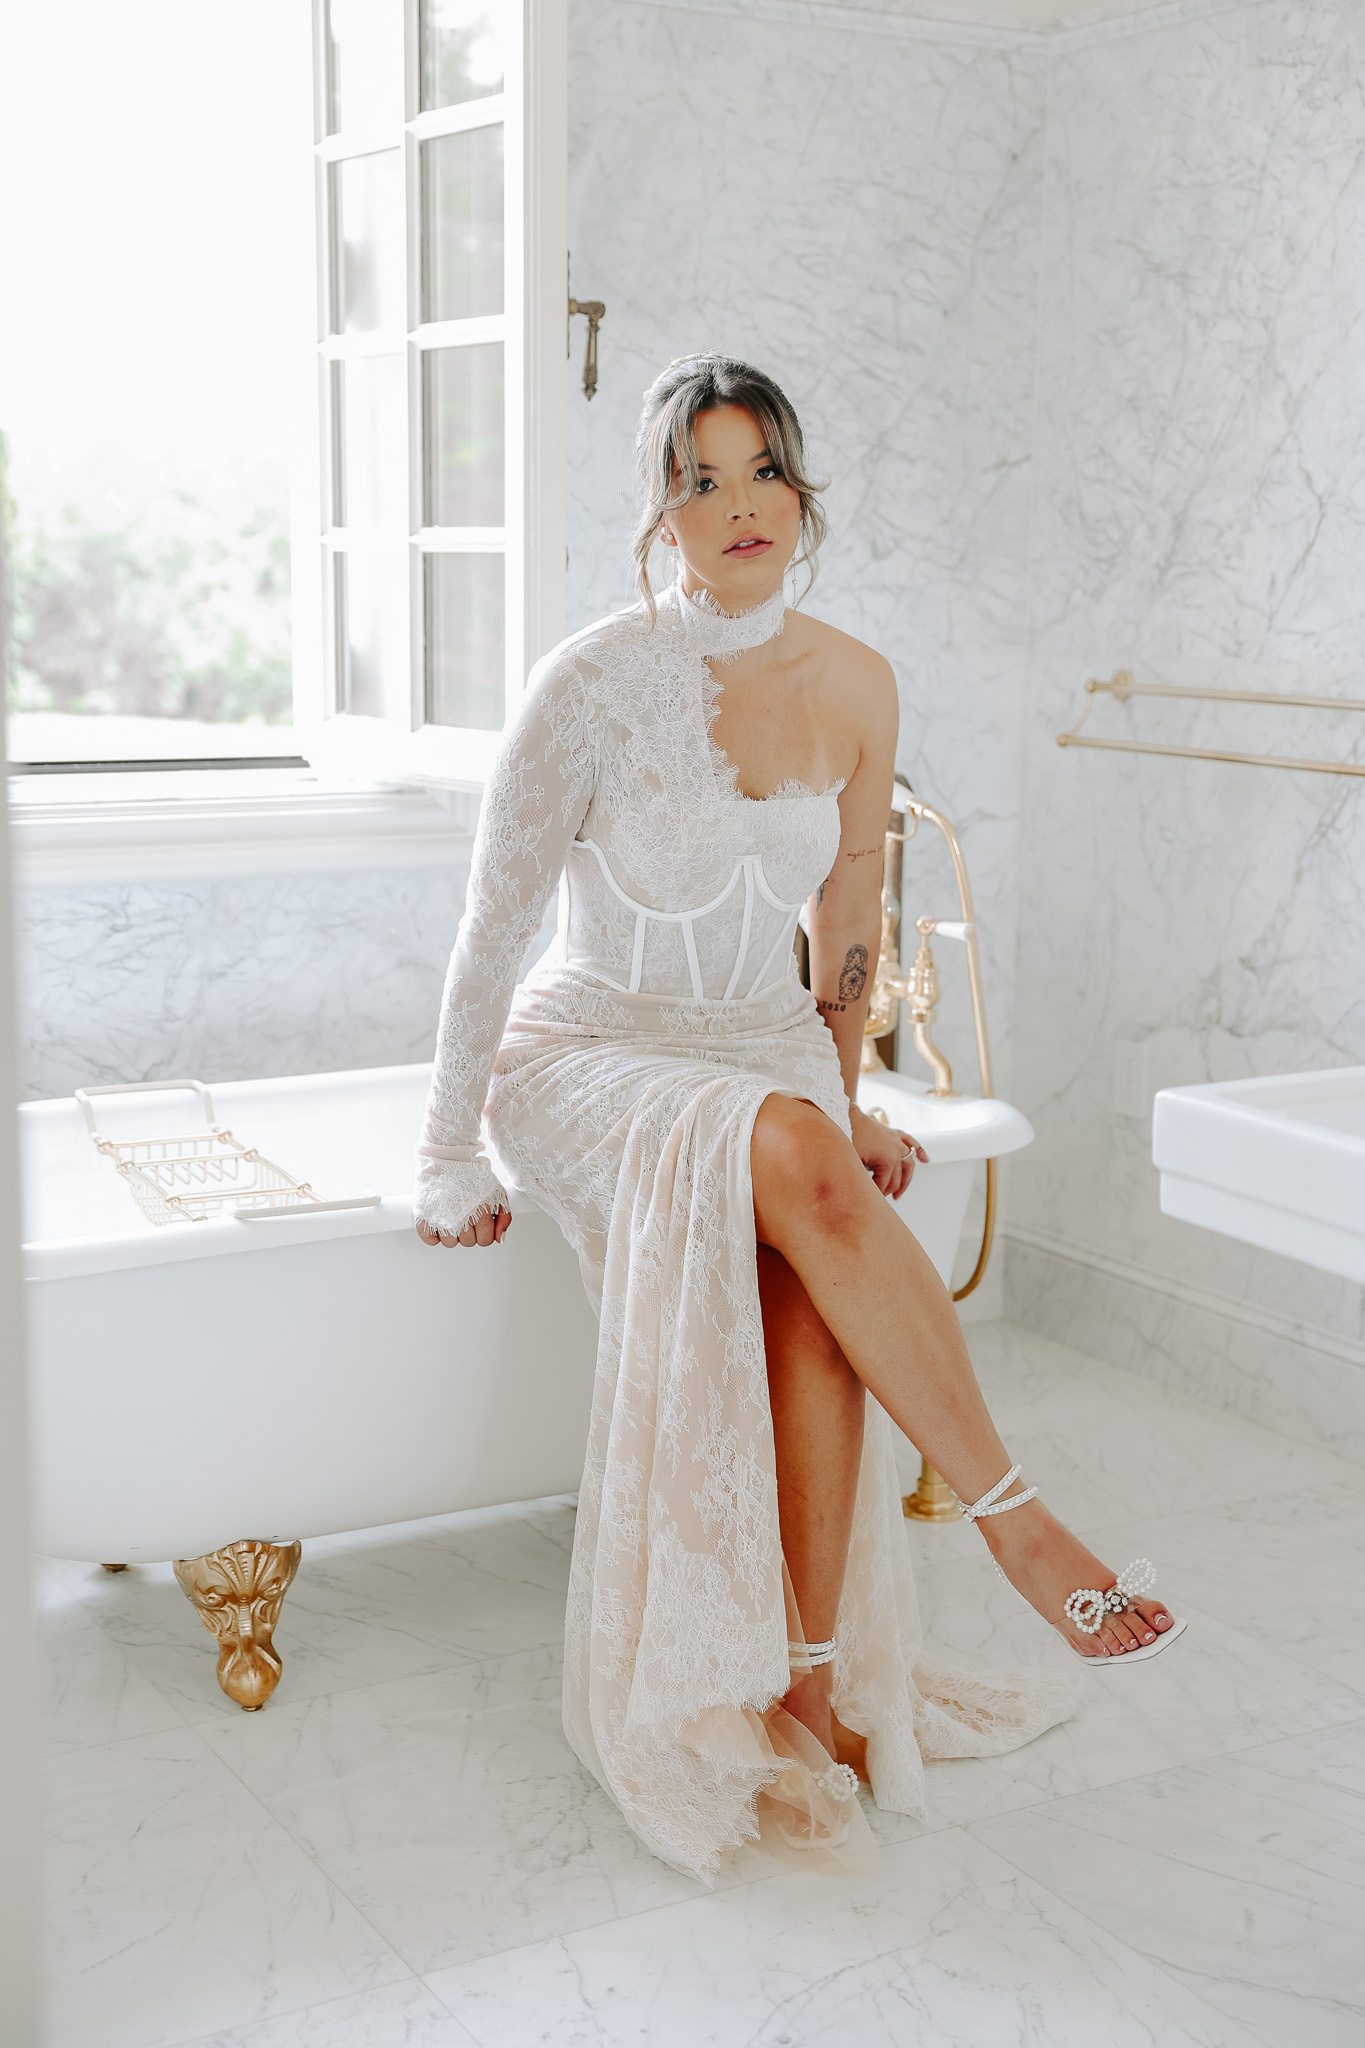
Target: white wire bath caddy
{"type": "Point", "coordinates": [199, 1175]}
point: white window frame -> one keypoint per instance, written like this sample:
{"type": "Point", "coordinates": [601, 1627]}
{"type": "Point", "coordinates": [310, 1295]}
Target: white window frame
{"type": "Point", "coordinates": [400, 745]}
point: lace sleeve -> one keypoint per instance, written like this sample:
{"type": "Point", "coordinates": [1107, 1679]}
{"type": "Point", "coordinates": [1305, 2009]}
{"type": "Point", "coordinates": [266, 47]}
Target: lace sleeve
{"type": "Point", "coordinates": [535, 801]}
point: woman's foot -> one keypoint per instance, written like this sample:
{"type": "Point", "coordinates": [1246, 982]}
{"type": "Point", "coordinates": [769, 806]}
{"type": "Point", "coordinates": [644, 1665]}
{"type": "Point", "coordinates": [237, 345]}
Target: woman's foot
{"type": "Point", "coordinates": [807, 1700]}
{"type": "Point", "coordinates": [1043, 1560]}
{"type": "Point", "coordinates": [851, 1749]}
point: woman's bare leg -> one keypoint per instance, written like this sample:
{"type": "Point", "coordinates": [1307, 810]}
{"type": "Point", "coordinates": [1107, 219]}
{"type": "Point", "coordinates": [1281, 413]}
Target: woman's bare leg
{"type": "Point", "coordinates": [876, 1290]}
{"type": "Point", "coordinates": [818, 1403]}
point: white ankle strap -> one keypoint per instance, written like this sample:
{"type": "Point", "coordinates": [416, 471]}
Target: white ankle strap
{"type": "Point", "coordinates": [805, 1656]}
{"type": "Point", "coordinates": [991, 1503]}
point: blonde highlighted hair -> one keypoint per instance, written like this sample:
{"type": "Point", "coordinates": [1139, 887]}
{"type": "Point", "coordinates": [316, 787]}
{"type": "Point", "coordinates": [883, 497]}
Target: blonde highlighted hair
{"type": "Point", "coordinates": [666, 449]}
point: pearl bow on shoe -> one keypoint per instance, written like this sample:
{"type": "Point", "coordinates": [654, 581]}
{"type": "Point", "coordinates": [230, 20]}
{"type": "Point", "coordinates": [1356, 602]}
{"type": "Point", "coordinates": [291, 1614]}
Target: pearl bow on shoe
{"type": "Point", "coordinates": [1087, 1607]}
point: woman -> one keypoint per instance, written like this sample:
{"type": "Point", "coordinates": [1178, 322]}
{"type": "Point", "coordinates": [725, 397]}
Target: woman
{"type": "Point", "coordinates": [742, 1638]}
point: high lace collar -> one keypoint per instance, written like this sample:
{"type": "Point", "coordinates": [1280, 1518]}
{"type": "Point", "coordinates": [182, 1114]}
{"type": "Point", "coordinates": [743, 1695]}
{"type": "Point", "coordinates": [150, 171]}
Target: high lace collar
{"type": "Point", "coordinates": [723, 636]}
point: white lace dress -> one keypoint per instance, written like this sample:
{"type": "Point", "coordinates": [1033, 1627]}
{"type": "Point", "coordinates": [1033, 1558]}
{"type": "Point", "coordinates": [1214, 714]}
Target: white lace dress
{"type": "Point", "coordinates": [619, 1092]}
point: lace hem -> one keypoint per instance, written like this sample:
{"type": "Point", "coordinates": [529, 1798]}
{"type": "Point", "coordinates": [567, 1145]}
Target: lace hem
{"type": "Point", "coordinates": [453, 1193]}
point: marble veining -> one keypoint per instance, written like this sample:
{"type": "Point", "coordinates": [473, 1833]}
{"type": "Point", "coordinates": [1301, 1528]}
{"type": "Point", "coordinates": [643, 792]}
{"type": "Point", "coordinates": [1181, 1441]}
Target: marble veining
{"type": "Point", "coordinates": [182, 1907]}
{"type": "Point", "coordinates": [450, 1809]}
{"type": "Point", "coordinates": [401, 1848]}
{"type": "Point", "coordinates": [231, 980]}
{"type": "Point", "coordinates": [1199, 516]}
{"type": "Point", "coordinates": [1179, 1867]}
{"type": "Point", "coordinates": [402, 2015]}
{"type": "Point", "coordinates": [948, 1943]}
{"type": "Point", "coordinates": [861, 219]}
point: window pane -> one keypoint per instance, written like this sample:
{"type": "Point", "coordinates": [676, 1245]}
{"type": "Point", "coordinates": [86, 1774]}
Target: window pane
{"type": "Point", "coordinates": [464, 604]}
{"type": "Point", "coordinates": [461, 51]}
{"type": "Point", "coordinates": [367, 243]}
{"type": "Point", "coordinates": [462, 425]}
{"type": "Point", "coordinates": [372, 631]}
{"type": "Point", "coordinates": [370, 401]}
{"type": "Point", "coordinates": [145, 522]}
{"type": "Point", "coordinates": [462, 225]}
{"type": "Point", "coordinates": [364, 65]}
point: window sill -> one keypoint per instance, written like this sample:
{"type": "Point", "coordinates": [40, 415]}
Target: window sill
{"type": "Point", "coordinates": [227, 825]}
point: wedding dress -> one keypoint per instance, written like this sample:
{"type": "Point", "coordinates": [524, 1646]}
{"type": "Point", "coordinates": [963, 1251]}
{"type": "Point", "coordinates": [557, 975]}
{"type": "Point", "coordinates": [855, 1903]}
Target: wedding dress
{"type": "Point", "coordinates": [618, 1087]}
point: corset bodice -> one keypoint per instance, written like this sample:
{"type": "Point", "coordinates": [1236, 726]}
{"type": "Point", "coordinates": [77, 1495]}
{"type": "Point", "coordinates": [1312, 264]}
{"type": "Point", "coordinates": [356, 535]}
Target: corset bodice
{"type": "Point", "coordinates": [725, 926]}
{"type": "Point", "coordinates": [676, 884]}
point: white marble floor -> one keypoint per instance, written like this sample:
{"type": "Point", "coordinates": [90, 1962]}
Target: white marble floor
{"type": "Point", "coordinates": [401, 1848]}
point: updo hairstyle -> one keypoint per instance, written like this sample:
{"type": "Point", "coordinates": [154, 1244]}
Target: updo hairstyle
{"type": "Point", "coordinates": [665, 444]}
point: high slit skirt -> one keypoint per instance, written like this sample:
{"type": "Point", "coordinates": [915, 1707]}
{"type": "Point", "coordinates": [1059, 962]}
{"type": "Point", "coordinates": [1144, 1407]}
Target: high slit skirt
{"type": "Point", "coordinates": [629, 1118]}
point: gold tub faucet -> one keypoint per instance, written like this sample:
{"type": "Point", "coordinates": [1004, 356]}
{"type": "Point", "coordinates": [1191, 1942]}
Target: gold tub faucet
{"type": "Point", "coordinates": [933, 1499]}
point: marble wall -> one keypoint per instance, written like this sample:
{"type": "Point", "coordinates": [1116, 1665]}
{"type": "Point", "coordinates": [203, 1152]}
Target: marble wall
{"type": "Point", "coordinates": [227, 980]}
{"type": "Point", "coordinates": [1198, 516]}
{"type": "Point", "coordinates": [858, 213]}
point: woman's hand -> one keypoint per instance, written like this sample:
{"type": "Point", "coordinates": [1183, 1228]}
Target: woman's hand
{"type": "Point", "coordinates": [889, 1156]}
{"type": "Point", "coordinates": [488, 1230]}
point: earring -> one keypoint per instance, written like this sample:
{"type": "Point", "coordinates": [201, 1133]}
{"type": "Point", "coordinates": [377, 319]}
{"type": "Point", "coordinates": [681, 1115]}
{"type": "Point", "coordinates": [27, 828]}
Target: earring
{"type": "Point", "coordinates": [668, 540]}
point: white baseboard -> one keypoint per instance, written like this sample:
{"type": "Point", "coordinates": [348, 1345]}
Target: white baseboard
{"type": "Point", "coordinates": [1308, 1383]}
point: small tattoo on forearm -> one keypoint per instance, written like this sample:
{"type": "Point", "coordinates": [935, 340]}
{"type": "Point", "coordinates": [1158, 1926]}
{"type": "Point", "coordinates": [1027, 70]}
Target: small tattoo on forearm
{"type": "Point", "coordinates": [861, 852]}
{"type": "Point", "coordinates": [820, 1004]}
{"type": "Point", "coordinates": [853, 980]}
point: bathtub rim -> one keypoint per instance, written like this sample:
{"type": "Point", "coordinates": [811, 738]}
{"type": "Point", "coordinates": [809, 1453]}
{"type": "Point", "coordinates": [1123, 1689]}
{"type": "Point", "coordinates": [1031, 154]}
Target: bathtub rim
{"type": "Point", "coordinates": [989, 1128]}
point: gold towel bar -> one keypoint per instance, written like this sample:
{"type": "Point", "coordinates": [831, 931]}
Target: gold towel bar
{"type": "Point", "coordinates": [1122, 686]}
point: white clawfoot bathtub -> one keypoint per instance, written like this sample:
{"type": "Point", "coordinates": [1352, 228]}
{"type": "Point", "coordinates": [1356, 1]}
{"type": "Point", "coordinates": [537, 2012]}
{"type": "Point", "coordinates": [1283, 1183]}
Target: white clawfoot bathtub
{"type": "Point", "coordinates": [196, 1385]}
{"type": "Point", "coordinates": [198, 1382]}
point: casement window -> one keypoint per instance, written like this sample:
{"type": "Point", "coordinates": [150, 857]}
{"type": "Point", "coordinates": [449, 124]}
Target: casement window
{"type": "Point", "coordinates": [438, 547]}
{"type": "Point", "coordinates": [331, 531]}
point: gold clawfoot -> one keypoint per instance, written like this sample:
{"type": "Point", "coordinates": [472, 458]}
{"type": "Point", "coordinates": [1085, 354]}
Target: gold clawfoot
{"type": "Point", "coordinates": [933, 1500]}
{"type": "Point", "coordinates": [238, 1592]}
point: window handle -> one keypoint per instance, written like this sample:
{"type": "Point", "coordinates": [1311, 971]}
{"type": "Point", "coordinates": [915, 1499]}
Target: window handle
{"type": "Point", "coordinates": [594, 311]}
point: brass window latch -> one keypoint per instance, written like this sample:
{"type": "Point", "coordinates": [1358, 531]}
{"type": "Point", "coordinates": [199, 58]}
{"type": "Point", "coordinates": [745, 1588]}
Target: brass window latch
{"type": "Point", "coordinates": [594, 312]}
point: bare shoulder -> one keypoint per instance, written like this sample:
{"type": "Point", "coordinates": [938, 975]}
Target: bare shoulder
{"type": "Point", "coordinates": [849, 669]}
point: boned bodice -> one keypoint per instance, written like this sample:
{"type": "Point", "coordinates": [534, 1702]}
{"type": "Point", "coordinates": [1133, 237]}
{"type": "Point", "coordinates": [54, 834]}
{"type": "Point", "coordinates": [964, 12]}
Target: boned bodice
{"type": "Point", "coordinates": [677, 883]}
{"type": "Point", "coordinates": [720, 924]}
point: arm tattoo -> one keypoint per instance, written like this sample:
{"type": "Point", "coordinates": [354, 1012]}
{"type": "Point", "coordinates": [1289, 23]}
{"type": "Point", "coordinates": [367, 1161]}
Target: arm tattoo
{"type": "Point", "coordinates": [820, 1004]}
{"type": "Point", "coordinates": [853, 980]}
{"type": "Point", "coordinates": [862, 852]}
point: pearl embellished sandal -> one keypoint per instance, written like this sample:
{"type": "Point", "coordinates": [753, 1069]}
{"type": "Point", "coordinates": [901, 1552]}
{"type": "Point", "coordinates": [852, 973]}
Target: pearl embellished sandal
{"type": "Point", "coordinates": [1087, 1608]}
{"type": "Point", "coordinates": [838, 1782]}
